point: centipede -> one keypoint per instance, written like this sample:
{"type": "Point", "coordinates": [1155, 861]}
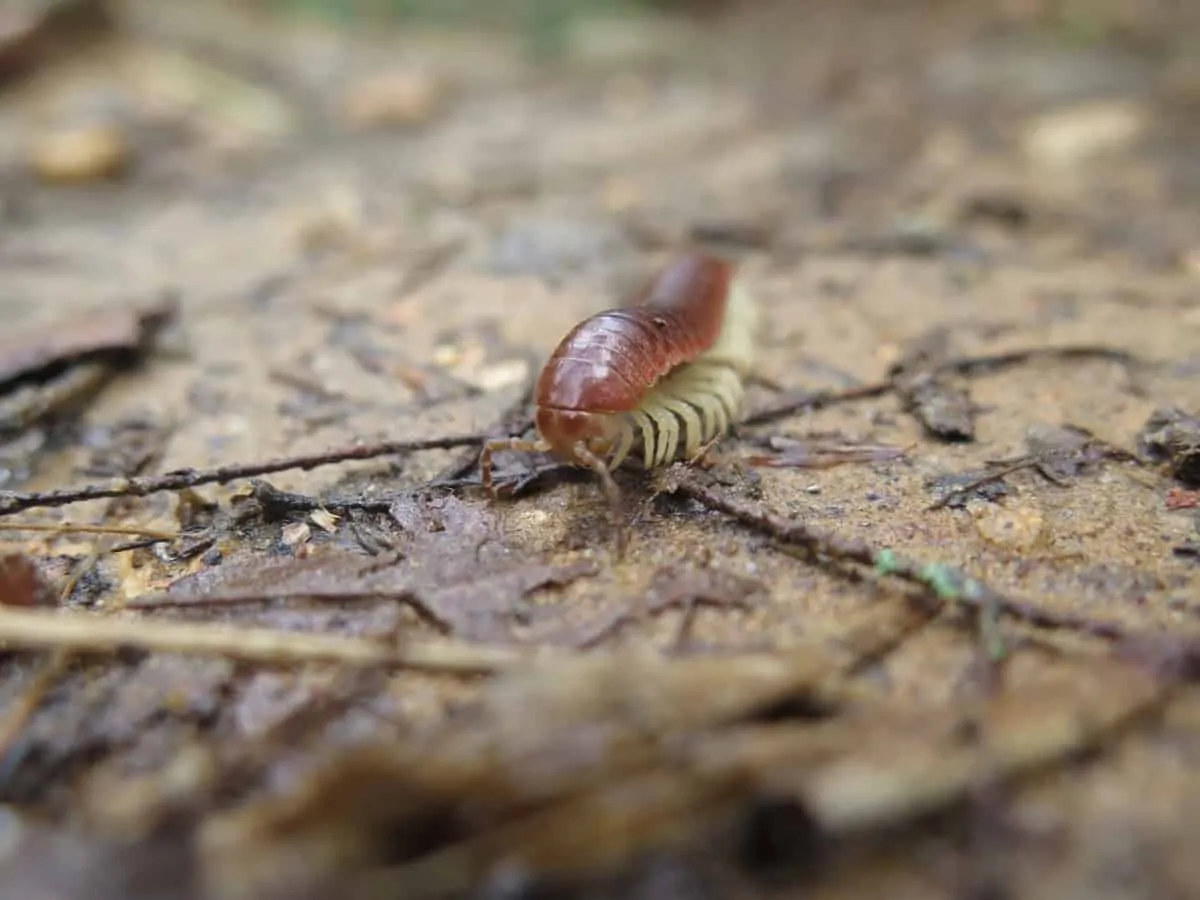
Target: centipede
{"type": "Point", "coordinates": [656, 380]}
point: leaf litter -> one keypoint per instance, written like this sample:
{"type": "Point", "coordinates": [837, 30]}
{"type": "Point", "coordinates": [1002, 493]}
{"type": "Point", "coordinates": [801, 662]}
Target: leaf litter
{"type": "Point", "coordinates": [1171, 436]}
{"type": "Point", "coordinates": [314, 688]}
{"type": "Point", "coordinates": [576, 769]}
{"type": "Point", "coordinates": [22, 583]}
{"type": "Point", "coordinates": [109, 333]}
{"type": "Point", "coordinates": [457, 591]}
{"type": "Point", "coordinates": [936, 396]}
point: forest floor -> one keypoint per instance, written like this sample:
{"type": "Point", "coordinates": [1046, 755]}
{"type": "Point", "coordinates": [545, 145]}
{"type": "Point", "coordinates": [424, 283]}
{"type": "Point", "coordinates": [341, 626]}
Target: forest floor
{"type": "Point", "coordinates": [927, 625]}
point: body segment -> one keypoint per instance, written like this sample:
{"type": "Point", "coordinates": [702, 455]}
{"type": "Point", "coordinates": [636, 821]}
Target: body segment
{"type": "Point", "coordinates": [656, 380]}
{"type": "Point", "coordinates": [608, 362]}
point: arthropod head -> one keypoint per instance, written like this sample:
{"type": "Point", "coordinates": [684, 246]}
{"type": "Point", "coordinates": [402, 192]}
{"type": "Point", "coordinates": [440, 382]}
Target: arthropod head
{"type": "Point", "coordinates": [564, 429]}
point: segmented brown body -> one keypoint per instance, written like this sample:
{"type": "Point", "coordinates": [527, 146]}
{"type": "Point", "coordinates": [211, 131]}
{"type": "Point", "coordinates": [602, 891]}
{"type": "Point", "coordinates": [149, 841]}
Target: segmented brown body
{"type": "Point", "coordinates": [660, 377]}
{"type": "Point", "coordinates": [606, 363]}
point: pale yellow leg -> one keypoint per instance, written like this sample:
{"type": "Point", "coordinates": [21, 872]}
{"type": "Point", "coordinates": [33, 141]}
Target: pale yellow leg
{"type": "Point", "coordinates": [691, 420]}
{"type": "Point", "coordinates": [704, 403]}
{"type": "Point", "coordinates": [624, 444]}
{"type": "Point", "coordinates": [722, 415]}
{"type": "Point", "coordinates": [668, 433]}
{"type": "Point", "coordinates": [730, 394]}
{"type": "Point", "coordinates": [644, 426]}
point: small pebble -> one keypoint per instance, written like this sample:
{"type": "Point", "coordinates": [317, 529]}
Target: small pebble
{"type": "Point", "coordinates": [79, 155]}
{"type": "Point", "coordinates": [813, 489]}
{"type": "Point", "coordinates": [502, 374]}
{"type": "Point", "coordinates": [447, 355]}
{"type": "Point", "coordinates": [295, 534]}
{"type": "Point", "coordinates": [1015, 528]}
{"type": "Point", "coordinates": [1074, 135]}
{"type": "Point", "coordinates": [538, 530]}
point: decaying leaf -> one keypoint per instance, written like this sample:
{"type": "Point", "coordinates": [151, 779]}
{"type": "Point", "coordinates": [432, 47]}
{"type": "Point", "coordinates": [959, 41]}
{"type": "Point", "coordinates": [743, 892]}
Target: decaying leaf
{"type": "Point", "coordinates": [818, 453]}
{"type": "Point", "coordinates": [554, 732]}
{"type": "Point", "coordinates": [28, 405]}
{"type": "Point", "coordinates": [1172, 436]}
{"type": "Point", "coordinates": [469, 597]}
{"type": "Point", "coordinates": [53, 369]}
{"type": "Point", "coordinates": [22, 583]}
{"type": "Point", "coordinates": [104, 333]}
{"type": "Point", "coordinates": [577, 767]}
{"type": "Point", "coordinates": [938, 399]}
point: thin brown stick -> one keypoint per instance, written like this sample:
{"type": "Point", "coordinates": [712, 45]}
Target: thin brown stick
{"type": "Point", "coordinates": [815, 400]}
{"type": "Point", "coordinates": [966, 365]}
{"type": "Point", "coordinates": [11, 502]}
{"type": "Point", "coordinates": [403, 597]}
{"type": "Point", "coordinates": [941, 581]}
{"type": "Point", "coordinates": [277, 504]}
{"type": "Point", "coordinates": [86, 528]}
{"type": "Point", "coordinates": [85, 566]}
{"type": "Point", "coordinates": [998, 474]}
{"type": "Point", "coordinates": [969, 365]}
{"type": "Point", "coordinates": [36, 629]}
{"type": "Point", "coordinates": [1040, 463]}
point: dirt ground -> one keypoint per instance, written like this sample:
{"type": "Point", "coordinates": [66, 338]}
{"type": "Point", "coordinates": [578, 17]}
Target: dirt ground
{"type": "Point", "coordinates": [925, 626]}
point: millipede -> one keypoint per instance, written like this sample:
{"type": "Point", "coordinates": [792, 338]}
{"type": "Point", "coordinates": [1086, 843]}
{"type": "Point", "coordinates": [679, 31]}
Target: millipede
{"type": "Point", "coordinates": [656, 380]}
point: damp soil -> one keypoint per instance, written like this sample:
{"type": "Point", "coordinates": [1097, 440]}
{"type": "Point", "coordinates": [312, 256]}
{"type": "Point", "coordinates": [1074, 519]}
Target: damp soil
{"type": "Point", "coordinates": [926, 624]}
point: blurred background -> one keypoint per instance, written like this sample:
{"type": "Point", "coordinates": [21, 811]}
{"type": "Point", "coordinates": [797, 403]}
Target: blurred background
{"type": "Point", "coordinates": [377, 219]}
{"type": "Point", "coordinates": [155, 92]}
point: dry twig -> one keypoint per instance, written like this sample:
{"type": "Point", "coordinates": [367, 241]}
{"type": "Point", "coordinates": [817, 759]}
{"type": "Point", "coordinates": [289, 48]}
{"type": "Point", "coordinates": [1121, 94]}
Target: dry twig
{"type": "Point", "coordinates": [86, 528]}
{"type": "Point", "coordinates": [943, 582]}
{"type": "Point", "coordinates": [102, 634]}
{"type": "Point", "coordinates": [966, 365]}
{"type": "Point", "coordinates": [11, 502]}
